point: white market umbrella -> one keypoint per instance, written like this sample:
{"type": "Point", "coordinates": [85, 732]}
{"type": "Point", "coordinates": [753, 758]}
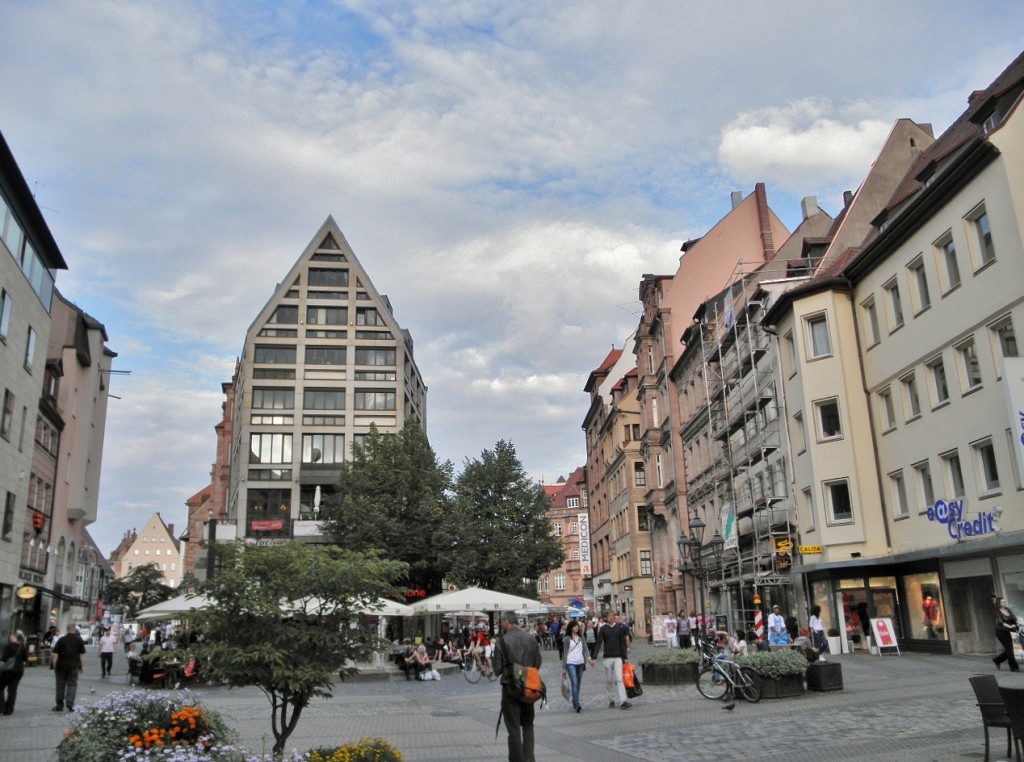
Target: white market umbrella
{"type": "Point", "coordinates": [172, 608]}
{"type": "Point", "coordinates": [380, 607]}
{"type": "Point", "coordinates": [473, 599]}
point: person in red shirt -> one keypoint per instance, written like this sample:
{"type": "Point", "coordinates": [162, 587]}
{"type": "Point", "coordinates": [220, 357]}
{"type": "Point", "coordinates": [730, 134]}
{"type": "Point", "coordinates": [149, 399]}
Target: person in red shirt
{"type": "Point", "coordinates": [483, 648]}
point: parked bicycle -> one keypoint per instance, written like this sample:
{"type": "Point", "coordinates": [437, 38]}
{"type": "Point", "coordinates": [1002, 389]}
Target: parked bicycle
{"type": "Point", "coordinates": [721, 677]}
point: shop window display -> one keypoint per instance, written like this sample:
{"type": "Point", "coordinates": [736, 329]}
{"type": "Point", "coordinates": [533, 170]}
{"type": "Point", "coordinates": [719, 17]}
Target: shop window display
{"type": "Point", "coordinates": [924, 606]}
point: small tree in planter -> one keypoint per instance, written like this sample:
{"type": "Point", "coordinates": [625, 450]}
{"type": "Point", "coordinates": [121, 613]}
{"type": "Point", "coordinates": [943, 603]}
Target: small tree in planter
{"type": "Point", "coordinates": [670, 666]}
{"type": "Point", "coordinates": [782, 672]}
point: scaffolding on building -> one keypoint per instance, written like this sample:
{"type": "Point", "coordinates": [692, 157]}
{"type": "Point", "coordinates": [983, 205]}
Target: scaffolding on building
{"type": "Point", "coordinates": [745, 484]}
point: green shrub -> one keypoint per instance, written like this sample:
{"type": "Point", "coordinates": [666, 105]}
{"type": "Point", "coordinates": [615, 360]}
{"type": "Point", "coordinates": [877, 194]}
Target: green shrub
{"type": "Point", "coordinates": [363, 750]}
{"type": "Point", "coordinates": [773, 664]}
{"type": "Point", "coordinates": [668, 656]}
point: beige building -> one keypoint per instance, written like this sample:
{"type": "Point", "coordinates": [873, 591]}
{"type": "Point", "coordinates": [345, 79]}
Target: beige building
{"type": "Point", "coordinates": [910, 505]}
{"type": "Point", "coordinates": [154, 545]}
{"type": "Point", "coordinates": [323, 361]}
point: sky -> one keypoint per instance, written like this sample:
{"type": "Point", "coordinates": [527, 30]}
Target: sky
{"type": "Point", "coordinates": [505, 171]}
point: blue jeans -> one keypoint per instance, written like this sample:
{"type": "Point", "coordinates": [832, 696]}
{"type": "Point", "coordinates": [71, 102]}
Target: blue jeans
{"type": "Point", "coordinates": [575, 674]}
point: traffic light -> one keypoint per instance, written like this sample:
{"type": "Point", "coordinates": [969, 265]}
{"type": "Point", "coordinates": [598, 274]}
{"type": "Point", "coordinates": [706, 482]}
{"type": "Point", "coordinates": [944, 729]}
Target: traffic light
{"type": "Point", "coordinates": [37, 522]}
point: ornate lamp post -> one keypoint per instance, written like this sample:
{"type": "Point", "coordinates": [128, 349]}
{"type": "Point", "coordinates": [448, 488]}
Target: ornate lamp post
{"type": "Point", "coordinates": [701, 568]}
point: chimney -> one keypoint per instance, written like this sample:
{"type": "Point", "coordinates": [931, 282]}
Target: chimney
{"type": "Point", "coordinates": [737, 198]}
{"type": "Point", "coordinates": [809, 206]}
{"type": "Point", "coordinates": [974, 96]}
{"type": "Point", "coordinates": [847, 199]}
{"type": "Point", "coordinates": [764, 221]}
{"type": "Point", "coordinates": [170, 530]}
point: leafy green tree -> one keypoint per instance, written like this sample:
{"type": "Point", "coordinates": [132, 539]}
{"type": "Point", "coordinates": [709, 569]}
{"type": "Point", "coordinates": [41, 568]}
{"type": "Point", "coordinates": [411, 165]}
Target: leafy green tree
{"type": "Point", "coordinates": [497, 534]}
{"type": "Point", "coordinates": [286, 619]}
{"type": "Point", "coordinates": [143, 586]}
{"type": "Point", "coordinates": [392, 496]}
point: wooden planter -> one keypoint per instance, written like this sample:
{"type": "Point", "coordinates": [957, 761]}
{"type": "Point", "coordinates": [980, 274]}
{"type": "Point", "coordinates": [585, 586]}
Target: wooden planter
{"type": "Point", "coordinates": [825, 677]}
{"type": "Point", "coordinates": [669, 674]}
{"type": "Point", "coordinates": [782, 687]}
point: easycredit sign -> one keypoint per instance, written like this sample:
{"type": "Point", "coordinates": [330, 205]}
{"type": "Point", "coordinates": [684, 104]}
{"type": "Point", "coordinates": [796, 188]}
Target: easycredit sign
{"type": "Point", "coordinates": [951, 515]}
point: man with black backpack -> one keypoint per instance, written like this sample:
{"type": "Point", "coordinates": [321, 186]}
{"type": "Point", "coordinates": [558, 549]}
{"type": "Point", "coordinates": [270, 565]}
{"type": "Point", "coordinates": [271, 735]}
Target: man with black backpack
{"type": "Point", "coordinates": [516, 647]}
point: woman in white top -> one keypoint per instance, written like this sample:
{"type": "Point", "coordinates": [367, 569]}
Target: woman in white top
{"type": "Point", "coordinates": [574, 649]}
{"type": "Point", "coordinates": [818, 640]}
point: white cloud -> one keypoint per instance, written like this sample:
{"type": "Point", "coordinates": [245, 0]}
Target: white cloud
{"type": "Point", "coordinates": [794, 146]}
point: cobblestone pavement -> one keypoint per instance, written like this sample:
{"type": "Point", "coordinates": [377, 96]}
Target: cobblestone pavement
{"type": "Point", "coordinates": [914, 707]}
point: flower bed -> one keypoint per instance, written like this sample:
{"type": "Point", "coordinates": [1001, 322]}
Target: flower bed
{"type": "Point", "coordinates": [782, 672]}
{"type": "Point", "coordinates": [140, 726]}
{"type": "Point", "coordinates": [671, 666]}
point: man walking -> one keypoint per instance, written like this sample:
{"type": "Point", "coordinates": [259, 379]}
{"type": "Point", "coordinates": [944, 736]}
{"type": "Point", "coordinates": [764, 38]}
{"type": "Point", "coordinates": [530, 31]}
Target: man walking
{"type": "Point", "coordinates": [68, 659]}
{"type": "Point", "coordinates": [516, 647]}
{"type": "Point", "coordinates": [127, 637]}
{"type": "Point", "coordinates": [613, 640]}
{"type": "Point", "coordinates": [106, 649]}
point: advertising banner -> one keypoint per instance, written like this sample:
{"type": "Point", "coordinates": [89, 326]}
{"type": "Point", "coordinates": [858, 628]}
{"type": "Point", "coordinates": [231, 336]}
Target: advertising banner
{"type": "Point", "coordinates": [584, 523]}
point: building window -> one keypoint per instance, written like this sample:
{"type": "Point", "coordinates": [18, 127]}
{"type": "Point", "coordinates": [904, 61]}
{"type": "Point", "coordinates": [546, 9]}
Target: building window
{"type": "Point", "coordinates": [323, 399]}
{"type": "Point", "coordinates": [286, 314]}
{"type": "Point", "coordinates": [575, 554]}
{"type": "Point", "coordinates": [7, 415]}
{"type": "Point", "coordinates": [895, 305]}
{"type": "Point", "coordinates": [369, 399]}
{"type": "Point", "coordinates": [954, 474]}
{"type": "Point", "coordinates": [887, 409]}
{"type": "Point", "coordinates": [369, 316]}
{"type": "Point", "coordinates": [375, 356]}
{"type": "Point", "coordinates": [574, 527]}
{"type": "Point", "coordinates": [799, 432]}
{"type": "Point", "coordinates": [326, 315]}
{"type": "Point", "coordinates": [1004, 342]}
{"type": "Point", "coordinates": [657, 468]}
{"type": "Point", "coordinates": [789, 360]}
{"type": "Point", "coordinates": [986, 250]}
{"type": "Point", "coordinates": [557, 528]}
{"type": "Point", "coordinates": [808, 500]}
{"type": "Point", "coordinates": [645, 563]}
{"type": "Point", "coordinates": [572, 502]}
{"type": "Point", "coordinates": [273, 399]}
{"type": "Point", "coordinates": [325, 355]}
{"type": "Point", "coordinates": [939, 384]}
{"type": "Point", "coordinates": [270, 448]}
{"type": "Point", "coordinates": [323, 448]}
{"type": "Point", "coordinates": [911, 397]}
{"type": "Point", "coordinates": [899, 495]}
{"type": "Point", "coordinates": [643, 520]}
{"type": "Point", "coordinates": [919, 285]}
{"type": "Point", "coordinates": [970, 368]}
{"type": "Point", "coordinates": [828, 419]}
{"type": "Point", "coordinates": [985, 461]}
{"type": "Point", "coordinates": [560, 581]}
{"type": "Point", "coordinates": [923, 472]}
{"type": "Point", "coordinates": [871, 322]}
{"type": "Point", "coordinates": [840, 508]}
{"type": "Point", "coordinates": [6, 307]}
{"type": "Point", "coordinates": [273, 353]}
{"type": "Point", "coordinates": [329, 278]}
{"type": "Point", "coordinates": [30, 348]}
{"type": "Point", "coordinates": [639, 475]}
{"type": "Point", "coordinates": [819, 343]}
{"type": "Point", "coordinates": [8, 524]}
{"type": "Point", "coordinates": [950, 269]}
{"type": "Point", "coordinates": [268, 513]}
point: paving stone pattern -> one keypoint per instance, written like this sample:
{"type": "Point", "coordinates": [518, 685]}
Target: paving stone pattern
{"type": "Point", "coordinates": [914, 707]}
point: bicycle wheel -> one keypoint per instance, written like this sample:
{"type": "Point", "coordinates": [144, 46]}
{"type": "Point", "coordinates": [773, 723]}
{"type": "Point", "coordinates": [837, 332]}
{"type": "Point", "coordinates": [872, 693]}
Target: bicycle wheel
{"type": "Point", "coordinates": [748, 684]}
{"type": "Point", "coordinates": [711, 682]}
{"type": "Point", "coordinates": [472, 671]}
{"type": "Point", "coordinates": [491, 674]}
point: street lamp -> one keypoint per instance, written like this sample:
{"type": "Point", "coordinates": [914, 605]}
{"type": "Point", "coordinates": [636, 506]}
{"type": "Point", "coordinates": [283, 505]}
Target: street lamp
{"type": "Point", "coordinates": [697, 565]}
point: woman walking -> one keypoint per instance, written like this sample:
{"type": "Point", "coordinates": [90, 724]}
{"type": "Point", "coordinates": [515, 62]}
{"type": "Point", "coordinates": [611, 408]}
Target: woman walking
{"type": "Point", "coordinates": [574, 647]}
{"type": "Point", "coordinates": [9, 678]}
{"type": "Point", "coordinates": [818, 640]}
{"type": "Point", "coordinates": [1007, 629]}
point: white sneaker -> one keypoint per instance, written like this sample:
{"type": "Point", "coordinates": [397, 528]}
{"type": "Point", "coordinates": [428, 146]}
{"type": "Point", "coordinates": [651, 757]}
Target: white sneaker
{"type": "Point", "coordinates": [822, 660]}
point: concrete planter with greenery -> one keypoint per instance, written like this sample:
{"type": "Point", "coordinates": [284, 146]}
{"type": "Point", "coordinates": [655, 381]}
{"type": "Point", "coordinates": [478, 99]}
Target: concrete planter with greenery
{"type": "Point", "coordinates": [782, 672]}
{"type": "Point", "coordinates": [670, 666]}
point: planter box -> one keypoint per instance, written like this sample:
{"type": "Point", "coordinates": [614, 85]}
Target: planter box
{"type": "Point", "coordinates": [834, 646]}
{"type": "Point", "coordinates": [825, 677]}
{"type": "Point", "coordinates": [669, 674]}
{"type": "Point", "coordinates": [782, 687]}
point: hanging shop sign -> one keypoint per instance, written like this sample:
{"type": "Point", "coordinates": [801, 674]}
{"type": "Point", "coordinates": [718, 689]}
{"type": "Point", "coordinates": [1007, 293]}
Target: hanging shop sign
{"type": "Point", "coordinates": [810, 550]}
{"type": "Point", "coordinates": [583, 520]}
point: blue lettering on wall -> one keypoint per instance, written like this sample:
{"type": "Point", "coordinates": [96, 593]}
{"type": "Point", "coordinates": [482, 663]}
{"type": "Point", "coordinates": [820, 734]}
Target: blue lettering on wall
{"type": "Point", "coordinates": [951, 514]}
